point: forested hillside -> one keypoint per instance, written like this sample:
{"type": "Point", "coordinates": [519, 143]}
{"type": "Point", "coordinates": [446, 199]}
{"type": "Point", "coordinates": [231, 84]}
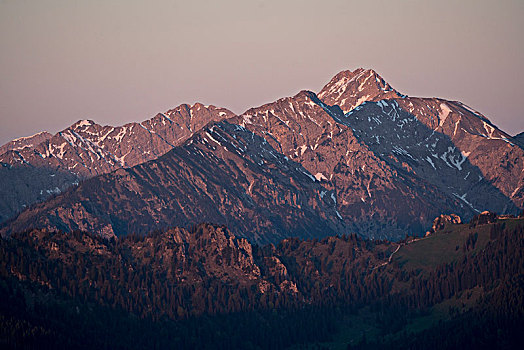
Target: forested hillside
{"type": "Point", "coordinates": [177, 289]}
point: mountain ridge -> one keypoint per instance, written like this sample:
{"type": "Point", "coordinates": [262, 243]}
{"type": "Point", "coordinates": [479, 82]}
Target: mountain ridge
{"type": "Point", "coordinates": [195, 182]}
{"type": "Point", "coordinates": [86, 149]}
{"type": "Point", "coordinates": [433, 156]}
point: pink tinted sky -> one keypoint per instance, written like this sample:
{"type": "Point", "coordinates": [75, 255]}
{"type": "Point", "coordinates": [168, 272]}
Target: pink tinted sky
{"type": "Point", "coordinates": [121, 61]}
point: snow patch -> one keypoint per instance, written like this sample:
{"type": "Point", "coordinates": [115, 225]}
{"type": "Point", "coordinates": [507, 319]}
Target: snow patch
{"type": "Point", "coordinates": [310, 103]}
{"type": "Point", "coordinates": [431, 162]}
{"type": "Point", "coordinates": [443, 113]}
{"type": "Point", "coordinates": [320, 176]}
{"type": "Point", "coordinates": [28, 137]}
{"type": "Point", "coordinates": [463, 198]}
{"type": "Point", "coordinates": [121, 159]}
{"type": "Point", "coordinates": [61, 148]}
{"type": "Point", "coordinates": [303, 148]}
{"type": "Point", "coordinates": [246, 119]}
{"type": "Point", "coordinates": [121, 134]}
{"type": "Point", "coordinates": [55, 190]}
{"type": "Point", "coordinates": [310, 176]}
{"type": "Point", "coordinates": [212, 138]}
{"type": "Point", "coordinates": [361, 86]}
{"type": "Point", "coordinates": [106, 135]}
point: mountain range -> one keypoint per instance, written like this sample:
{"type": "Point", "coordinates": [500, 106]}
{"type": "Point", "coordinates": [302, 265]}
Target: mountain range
{"type": "Point", "coordinates": [356, 157]}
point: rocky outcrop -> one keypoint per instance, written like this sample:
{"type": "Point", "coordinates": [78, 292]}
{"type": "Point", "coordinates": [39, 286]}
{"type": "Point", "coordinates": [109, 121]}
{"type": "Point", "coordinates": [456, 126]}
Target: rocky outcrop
{"type": "Point", "coordinates": [442, 220]}
{"type": "Point", "coordinates": [483, 218]}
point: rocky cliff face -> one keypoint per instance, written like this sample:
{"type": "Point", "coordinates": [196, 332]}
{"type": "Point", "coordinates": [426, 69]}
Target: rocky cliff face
{"type": "Point", "coordinates": [319, 137]}
{"type": "Point", "coordinates": [220, 255]}
{"type": "Point", "coordinates": [357, 157]}
{"type": "Point", "coordinates": [36, 168]}
{"type": "Point", "coordinates": [350, 89]}
{"type": "Point", "coordinates": [224, 174]}
{"type": "Point", "coordinates": [457, 164]}
{"type": "Point", "coordinates": [454, 137]}
{"type": "Point", "coordinates": [201, 267]}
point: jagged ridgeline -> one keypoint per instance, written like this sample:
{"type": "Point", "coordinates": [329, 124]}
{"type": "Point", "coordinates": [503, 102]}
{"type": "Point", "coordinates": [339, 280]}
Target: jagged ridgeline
{"type": "Point", "coordinates": [43, 165]}
{"type": "Point", "coordinates": [204, 287]}
{"type": "Point", "coordinates": [358, 157]}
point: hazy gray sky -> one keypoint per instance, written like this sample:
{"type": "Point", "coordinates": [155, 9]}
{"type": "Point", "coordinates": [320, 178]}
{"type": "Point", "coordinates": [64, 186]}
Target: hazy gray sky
{"type": "Point", "coordinates": [121, 61]}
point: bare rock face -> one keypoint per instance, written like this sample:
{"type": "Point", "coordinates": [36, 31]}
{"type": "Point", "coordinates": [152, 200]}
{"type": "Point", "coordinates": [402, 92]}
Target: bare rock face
{"type": "Point", "coordinates": [275, 268]}
{"type": "Point", "coordinates": [216, 249]}
{"type": "Point", "coordinates": [224, 174]}
{"type": "Point", "coordinates": [38, 167]}
{"type": "Point", "coordinates": [357, 157]}
{"type": "Point", "coordinates": [394, 161]}
{"type": "Point", "coordinates": [482, 145]}
{"type": "Point", "coordinates": [457, 167]}
{"type": "Point", "coordinates": [366, 187]}
{"type": "Point", "coordinates": [465, 154]}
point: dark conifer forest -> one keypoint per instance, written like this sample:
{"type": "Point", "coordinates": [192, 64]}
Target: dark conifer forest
{"type": "Point", "coordinates": [203, 288]}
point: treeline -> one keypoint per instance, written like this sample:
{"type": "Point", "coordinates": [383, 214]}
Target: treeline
{"type": "Point", "coordinates": [500, 260]}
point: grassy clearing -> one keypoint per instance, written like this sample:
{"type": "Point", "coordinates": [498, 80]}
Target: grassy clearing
{"type": "Point", "coordinates": [442, 247]}
{"type": "Point", "coordinates": [423, 255]}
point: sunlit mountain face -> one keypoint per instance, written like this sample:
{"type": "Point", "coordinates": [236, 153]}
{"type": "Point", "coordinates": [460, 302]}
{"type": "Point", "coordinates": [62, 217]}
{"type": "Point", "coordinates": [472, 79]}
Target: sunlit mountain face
{"type": "Point", "coordinates": [358, 157]}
